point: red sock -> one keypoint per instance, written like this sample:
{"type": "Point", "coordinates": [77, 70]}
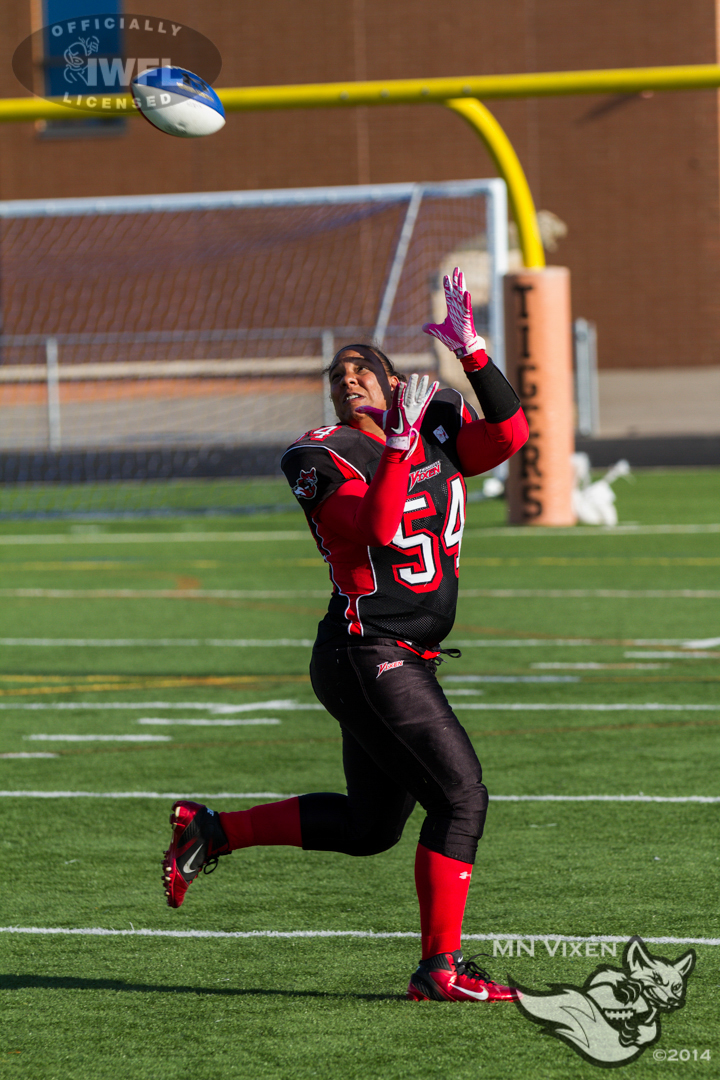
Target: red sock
{"type": "Point", "coordinates": [442, 887]}
{"type": "Point", "coordinates": [266, 825]}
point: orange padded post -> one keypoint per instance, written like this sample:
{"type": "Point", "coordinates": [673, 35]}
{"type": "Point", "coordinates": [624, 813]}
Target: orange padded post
{"type": "Point", "coordinates": [539, 365]}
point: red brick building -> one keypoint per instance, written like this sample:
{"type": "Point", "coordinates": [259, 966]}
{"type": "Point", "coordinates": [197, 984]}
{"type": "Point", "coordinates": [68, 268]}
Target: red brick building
{"type": "Point", "coordinates": [635, 178]}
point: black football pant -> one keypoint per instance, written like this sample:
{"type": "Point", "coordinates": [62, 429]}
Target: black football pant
{"type": "Point", "coordinates": [402, 744]}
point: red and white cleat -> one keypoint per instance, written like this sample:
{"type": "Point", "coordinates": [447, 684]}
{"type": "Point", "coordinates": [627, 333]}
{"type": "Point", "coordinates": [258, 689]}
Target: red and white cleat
{"type": "Point", "coordinates": [447, 977]}
{"type": "Point", "coordinates": [198, 839]}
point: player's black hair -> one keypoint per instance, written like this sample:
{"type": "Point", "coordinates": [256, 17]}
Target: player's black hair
{"type": "Point", "coordinates": [363, 350]}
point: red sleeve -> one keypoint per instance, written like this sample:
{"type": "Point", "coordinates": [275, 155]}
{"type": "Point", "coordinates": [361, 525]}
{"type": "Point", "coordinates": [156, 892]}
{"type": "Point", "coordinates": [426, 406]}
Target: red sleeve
{"type": "Point", "coordinates": [481, 446]}
{"type": "Point", "coordinates": [369, 515]}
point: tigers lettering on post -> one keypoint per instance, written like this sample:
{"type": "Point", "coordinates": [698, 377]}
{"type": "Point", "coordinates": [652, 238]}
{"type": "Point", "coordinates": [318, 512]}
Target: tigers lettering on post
{"type": "Point", "coordinates": [539, 365]}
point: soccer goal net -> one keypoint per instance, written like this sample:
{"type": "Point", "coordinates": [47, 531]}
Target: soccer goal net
{"type": "Point", "coordinates": [175, 337]}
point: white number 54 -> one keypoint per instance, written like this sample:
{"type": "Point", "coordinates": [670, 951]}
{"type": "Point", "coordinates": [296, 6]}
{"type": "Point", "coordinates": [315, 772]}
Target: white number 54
{"type": "Point", "coordinates": [424, 572]}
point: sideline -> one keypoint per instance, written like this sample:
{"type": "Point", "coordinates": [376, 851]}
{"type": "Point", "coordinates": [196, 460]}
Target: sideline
{"type": "Point", "coordinates": [307, 643]}
{"type": "Point", "coordinates": [96, 931]}
{"type": "Point", "coordinates": [321, 594]}
{"type": "Point", "coordinates": [156, 537]}
{"type": "Point", "coordinates": [214, 707]}
{"type": "Point", "coordinates": [299, 534]}
{"type": "Point", "coordinates": [281, 795]}
{"type": "Point", "coordinates": [292, 706]}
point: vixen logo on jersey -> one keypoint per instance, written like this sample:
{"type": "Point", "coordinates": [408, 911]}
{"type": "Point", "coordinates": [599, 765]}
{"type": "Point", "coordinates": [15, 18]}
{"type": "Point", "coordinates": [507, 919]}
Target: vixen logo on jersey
{"type": "Point", "coordinates": [388, 667]}
{"type": "Point", "coordinates": [306, 485]}
{"type": "Point", "coordinates": [424, 474]}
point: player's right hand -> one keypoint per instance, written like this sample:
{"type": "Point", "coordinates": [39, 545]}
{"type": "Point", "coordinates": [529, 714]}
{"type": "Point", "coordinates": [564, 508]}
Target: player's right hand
{"type": "Point", "coordinates": [403, 420]}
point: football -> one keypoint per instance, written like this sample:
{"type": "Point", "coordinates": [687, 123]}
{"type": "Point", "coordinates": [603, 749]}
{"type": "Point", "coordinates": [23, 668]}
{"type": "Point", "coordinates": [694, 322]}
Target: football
{"type": "Point", "coordinates": [178, 102]}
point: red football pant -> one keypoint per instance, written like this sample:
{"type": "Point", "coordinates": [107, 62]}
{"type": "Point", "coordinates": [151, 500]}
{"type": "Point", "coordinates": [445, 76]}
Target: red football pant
{"type": "Point", "coordinates": [442, 887]}
{"type": "Point", "coordinates": [267, 825]}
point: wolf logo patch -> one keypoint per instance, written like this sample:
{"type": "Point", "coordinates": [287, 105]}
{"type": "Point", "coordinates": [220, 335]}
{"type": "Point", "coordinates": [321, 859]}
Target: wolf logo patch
{"type": "Point", "coordinates": [615, 1016]}
{"type": "Point", "coordinates": [306, 486]}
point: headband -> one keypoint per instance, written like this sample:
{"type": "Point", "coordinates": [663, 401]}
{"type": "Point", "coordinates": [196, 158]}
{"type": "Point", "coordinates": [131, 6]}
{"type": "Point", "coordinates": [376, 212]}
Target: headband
{"type": "Point", "coordinates": [374, 362]}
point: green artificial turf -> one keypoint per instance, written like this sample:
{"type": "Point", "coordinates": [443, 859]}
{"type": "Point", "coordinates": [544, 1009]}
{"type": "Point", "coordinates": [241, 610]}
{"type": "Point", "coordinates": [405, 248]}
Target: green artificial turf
{"type": "Point", "coordinates": [144, 497]}
{"type": "Point", "coordinates": [277, 1007]}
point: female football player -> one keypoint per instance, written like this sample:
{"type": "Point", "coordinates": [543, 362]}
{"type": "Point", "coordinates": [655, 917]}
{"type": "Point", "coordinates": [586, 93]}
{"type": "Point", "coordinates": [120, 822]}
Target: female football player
{"type": "Point", "coordinates": [384, 495]}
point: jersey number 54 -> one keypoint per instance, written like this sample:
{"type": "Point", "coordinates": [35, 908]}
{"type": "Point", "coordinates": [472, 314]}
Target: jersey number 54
{"type": "Point", "coordinates": [424, 573]}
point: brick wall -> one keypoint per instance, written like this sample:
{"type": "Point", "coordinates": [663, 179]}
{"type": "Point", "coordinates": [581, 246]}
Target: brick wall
{"type": "Point", "coordinates": [635, 179]}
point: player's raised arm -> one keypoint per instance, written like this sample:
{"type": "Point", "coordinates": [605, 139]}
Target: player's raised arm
{"type": "Point", "coordinates": [483, 444]}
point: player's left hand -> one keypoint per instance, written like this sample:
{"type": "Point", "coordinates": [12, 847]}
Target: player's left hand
{"type": "Point", "coordinates": [402, 421]}
{"type": "Point", "coordinates": [458, 329]}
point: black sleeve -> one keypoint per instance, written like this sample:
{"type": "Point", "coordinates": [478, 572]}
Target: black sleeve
{"type": "Point", "coordinates": [497, 398]}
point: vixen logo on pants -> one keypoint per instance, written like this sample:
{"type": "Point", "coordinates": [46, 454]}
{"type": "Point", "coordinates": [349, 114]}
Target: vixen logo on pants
{"type": "Point", "coordinates": [388, 667]}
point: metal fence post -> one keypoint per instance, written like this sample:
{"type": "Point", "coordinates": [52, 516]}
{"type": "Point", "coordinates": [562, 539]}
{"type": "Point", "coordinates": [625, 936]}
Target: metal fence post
{"type": "Point", "coordinates": [328, 351]}
{"type": "Point", "coordinates": [53, 392]}
{"type": "Point", "coordinates": [497, 242]}
{"type": "Point", "coordinates": [586, 377]}
{"type": "Point", "coordinates": [398, 263]}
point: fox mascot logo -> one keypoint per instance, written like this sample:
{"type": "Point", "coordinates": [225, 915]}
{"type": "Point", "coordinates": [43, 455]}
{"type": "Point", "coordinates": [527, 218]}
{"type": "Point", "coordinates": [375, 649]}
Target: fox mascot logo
{"type": "Point", "coordinates": [306, 485]}
{"type": "Point", "coordinates": [616, 1014]}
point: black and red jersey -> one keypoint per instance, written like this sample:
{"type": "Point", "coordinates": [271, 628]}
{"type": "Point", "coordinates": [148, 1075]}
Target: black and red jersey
{"type": "Point", "coordinates": [408, 588]}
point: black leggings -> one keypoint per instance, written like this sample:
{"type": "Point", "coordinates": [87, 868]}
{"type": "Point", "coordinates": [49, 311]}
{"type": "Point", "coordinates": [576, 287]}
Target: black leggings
{"type": "Point", "coordinates": [402, 744]}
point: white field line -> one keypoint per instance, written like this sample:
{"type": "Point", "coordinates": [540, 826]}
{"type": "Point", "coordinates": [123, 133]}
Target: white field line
{"type": "Point", "coordinates": [181, 643]}
{"type": "Point", "coordinates": [584, 530]}
{"type": "Point", "coordinates": [172, 795]}
{"type": "Point", "coordinates": [14, 756]}
{"type": "Point", "coordinates": [265, 594]}
{"type": "Point", "coordinates": [204, 706]}
{"type": "Point", "coordinates": [512, 678]}
{"type": "Point", "coordinates": [157, 537]}
{"type": "Point", "coordinates": [593, 666]}
{"type": "Point", "coordinates": [522, 643]}
{"type": "Point", "coordinates": [548, 706]}
{"type": "Point", "coordinates": [98, 738]}
{"type": "Point", "coordinates": [694, 654]}
{"type": "Point", "coordinates": [307, 643]}
{"type": "Point", "coordinates": [208, 723]}
{"type": "Point", "coordinates": [280, 795]}
{"type": "Point", "coordinates": [609, 798]}
{"type": "Point", "coordinates": [267, 536]}
{"type": "Point", "coordinates": [163, 594]}
{"type": "Point", "coordinates": [597, 594]}
{"type": "Point", "coordinates": [97, 931]}
{"type": "Point", "coordinates": [487, 706]}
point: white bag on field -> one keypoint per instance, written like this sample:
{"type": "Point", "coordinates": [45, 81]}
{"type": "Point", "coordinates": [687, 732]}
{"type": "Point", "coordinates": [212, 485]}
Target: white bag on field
{"type": "Point", "coordinates": [594, 503]}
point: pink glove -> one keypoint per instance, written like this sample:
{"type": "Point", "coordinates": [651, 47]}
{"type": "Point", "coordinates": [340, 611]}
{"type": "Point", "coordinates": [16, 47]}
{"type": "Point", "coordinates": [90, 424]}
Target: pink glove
{"type": "Point", "coordinates": [458, 329]}
{"type": "Point", "coordinates": [402, 421]}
